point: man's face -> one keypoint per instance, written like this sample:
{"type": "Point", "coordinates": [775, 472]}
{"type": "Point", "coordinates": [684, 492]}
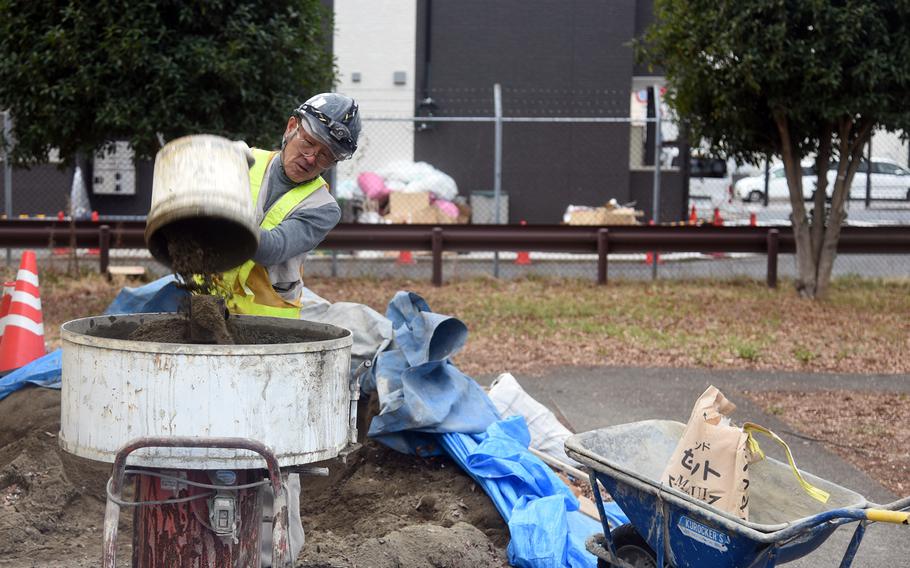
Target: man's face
{"type": "Point", "coordinates": [304, 157]}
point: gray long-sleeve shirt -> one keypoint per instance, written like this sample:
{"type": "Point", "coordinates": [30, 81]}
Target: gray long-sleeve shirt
{"type": "Point", "coordinates": [301, 231]}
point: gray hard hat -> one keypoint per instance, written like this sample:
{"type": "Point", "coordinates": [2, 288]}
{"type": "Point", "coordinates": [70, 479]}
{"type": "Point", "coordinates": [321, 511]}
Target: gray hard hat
{"type": "Point", "coordinates": [334, 120]}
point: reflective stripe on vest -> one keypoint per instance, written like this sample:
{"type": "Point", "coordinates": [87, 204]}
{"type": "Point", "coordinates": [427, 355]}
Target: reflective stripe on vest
{"type": "Point", "coordinates": [249, 283]}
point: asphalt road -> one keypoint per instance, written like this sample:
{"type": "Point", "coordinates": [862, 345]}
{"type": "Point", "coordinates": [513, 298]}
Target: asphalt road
{"type": "Point", "coordinates": [596, 397]}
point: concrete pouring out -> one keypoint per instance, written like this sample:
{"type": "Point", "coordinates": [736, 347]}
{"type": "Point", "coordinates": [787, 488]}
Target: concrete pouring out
{"type": "Point", "coordinates": [190, 260]}
{"type": "Point", "coordinates": [202, 321]}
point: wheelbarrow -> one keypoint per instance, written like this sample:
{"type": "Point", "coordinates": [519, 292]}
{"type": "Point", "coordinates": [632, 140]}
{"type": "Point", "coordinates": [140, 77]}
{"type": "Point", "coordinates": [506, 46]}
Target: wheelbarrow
{"type": "Point", "coordinates": [669, 528]}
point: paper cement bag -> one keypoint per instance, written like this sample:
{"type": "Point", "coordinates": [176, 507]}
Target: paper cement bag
{"type": "Point", "coordinates": [711, 461]}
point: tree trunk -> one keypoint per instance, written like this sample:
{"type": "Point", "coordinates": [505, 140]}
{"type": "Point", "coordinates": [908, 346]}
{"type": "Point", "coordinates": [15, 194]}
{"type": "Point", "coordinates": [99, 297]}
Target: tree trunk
{"type": "Point", "coordinates": [819, 214]}
{"type": "Point", "coordinates": [852, 138]}
{"type": "Point", "coordinates": [805, 261]}
{"type": "Point", "coordinates": [816, 241]}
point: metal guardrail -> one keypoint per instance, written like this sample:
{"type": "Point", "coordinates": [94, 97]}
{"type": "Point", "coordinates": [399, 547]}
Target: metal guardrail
{"type": "Point", "coordinates": [39, 233]}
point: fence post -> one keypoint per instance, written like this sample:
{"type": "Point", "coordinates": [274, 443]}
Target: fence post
{"type": "Point", "coordinates": [773, 239]}
{"type": "Point", "coordinates": [436, 240]}
{"type": "Point", "coordinates": [104, 246]}
{"type": "Point", "coordinates": [603, 246]}
{"type": "Point", "coordinates": [8, 175]}
{"type": "Point", "coordinates": [868, 176]}
{"type": "Point", "coordinates": [658, 144]}
{"type": "Point", "coordinates": [497, 165]}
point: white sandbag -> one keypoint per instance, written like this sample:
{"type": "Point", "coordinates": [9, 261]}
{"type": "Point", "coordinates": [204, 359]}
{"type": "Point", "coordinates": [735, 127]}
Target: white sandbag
{"type": "Point", "coordinates": [415, 177]}
{"type": "Point", "coordinates": [548, 435]}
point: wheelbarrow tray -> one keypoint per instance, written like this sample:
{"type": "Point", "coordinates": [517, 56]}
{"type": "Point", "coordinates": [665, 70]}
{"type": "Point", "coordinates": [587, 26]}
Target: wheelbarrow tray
{"type": "Point", "coordinates": [784, 521]}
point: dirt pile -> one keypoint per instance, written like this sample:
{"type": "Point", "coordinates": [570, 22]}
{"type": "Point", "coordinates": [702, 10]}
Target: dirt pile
{"type": "Point", "coordinates": [51, 503]}
{"type": "Point", "coordinates": [383, 509]}
{"type": "Point", "coordinates": [388, 509]}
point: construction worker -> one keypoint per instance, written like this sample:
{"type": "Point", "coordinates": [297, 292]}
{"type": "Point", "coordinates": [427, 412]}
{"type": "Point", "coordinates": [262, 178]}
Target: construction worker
{"type": "Point", "coordinates": [293, 205]}
{"type": "Point", "coordinates": [295, 211]}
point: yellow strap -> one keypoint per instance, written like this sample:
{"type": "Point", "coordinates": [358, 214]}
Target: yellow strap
{"type": "Point", "coordinates": [749, 428]}
{"type": "Point", "coordinates": [883, 516]}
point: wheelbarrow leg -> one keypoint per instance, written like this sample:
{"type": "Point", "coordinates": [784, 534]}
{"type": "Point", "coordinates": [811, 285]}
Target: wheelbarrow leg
{"type": "Point", "coordinates": [854, 544]}
{"type": "Point", "coordinates": [772, 557]}
{"type": "Point", "coordinates": [598, 499]}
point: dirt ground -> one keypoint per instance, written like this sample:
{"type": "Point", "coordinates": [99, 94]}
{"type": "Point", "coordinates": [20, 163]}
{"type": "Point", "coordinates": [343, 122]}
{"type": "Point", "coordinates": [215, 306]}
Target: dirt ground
{"type": "Point", "coordinates": [868, 430]}
{"type": "Point", "coordinates": [382, 509]}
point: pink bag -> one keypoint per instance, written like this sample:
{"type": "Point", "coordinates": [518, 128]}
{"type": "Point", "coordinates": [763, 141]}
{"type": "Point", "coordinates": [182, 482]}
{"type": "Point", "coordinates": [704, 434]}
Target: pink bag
{"type": "Point", "coordinates": [372, 185]}
{"type": "Point", "coordinates": [447, 208]}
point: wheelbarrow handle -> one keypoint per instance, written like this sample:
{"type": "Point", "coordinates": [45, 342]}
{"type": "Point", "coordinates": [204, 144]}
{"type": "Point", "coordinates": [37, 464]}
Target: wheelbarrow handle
{"type": "Point", "coordinates": [899, 505]}
{"type": "Point", "coordinates": [886, 516]}
{"type": "Point", "coordinates": [897, 512]}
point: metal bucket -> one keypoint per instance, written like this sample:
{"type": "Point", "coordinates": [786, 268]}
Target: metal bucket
{"type": "Point", "coordinates": [294, 397]}
{"type": "Point", "coordinates": [201, 193]}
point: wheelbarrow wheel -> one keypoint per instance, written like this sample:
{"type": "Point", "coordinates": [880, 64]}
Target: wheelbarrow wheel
{"type": "Point", "coordinates": [630, 547]}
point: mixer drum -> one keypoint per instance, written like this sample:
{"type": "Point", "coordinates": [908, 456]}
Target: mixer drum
{"type": "Point", "coordinates": [293, 396]}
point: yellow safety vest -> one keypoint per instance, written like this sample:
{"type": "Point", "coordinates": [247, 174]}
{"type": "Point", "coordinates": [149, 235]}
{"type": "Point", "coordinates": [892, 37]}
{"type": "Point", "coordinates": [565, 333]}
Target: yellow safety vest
{"type": "Point", "coordinates": [249, 284]}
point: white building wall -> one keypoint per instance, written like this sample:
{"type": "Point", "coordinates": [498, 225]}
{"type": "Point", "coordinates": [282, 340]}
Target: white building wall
{"type": "Point", "coordinates": [376, 39]}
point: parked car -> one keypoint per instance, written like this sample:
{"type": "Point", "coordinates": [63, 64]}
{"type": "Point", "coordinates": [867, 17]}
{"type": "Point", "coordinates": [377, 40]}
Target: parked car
{"type": "Point", "coordinates": [889, 180]}
{"type": "Point", "coordinates": [752, 188]}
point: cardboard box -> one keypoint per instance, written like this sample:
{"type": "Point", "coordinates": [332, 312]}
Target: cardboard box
{"type": "Point", "coordinates": [622, 216]}
{"type": "Point", "coordinates": [424, 216]}
{"type": "Point", "coordinates": [594, 216]}
{"type": "Point", "coordinates": [403, 204]}
{"type": "Point", "coordinates": [604, 216]}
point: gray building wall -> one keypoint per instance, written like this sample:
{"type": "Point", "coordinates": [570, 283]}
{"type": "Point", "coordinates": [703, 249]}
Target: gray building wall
{"type": "Point", "coordinates": [538, 51]}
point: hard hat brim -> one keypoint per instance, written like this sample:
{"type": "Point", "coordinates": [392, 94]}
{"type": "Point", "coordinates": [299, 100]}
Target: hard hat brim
{"type": "Point", "coordinates": [318, 131]}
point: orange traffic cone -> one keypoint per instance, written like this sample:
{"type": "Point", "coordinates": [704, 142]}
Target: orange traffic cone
{"type": "Point", "coordinates": [753, 220]}
{"type": "Point", "coordinates": [8, 288]}
{"type": "Point", "coordinates": [405, 257]}
{"type": "Point", "coordinates": [23, 333]}
{"type": "Point", "coordinates": [718, 221]}
{"type": "Point", "coordinates": [693, 216]}
{"type": "Point", "coordinates": [524, 257]}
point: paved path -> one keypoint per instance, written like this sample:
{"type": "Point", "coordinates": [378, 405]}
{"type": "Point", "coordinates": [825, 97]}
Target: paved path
{"type": "Point", "coordinates": [595, 397]}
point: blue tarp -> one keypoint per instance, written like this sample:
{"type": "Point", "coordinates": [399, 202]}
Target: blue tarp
{"type": "Point", "coordinates": [44, 372]}
{"type": "Point", "coordinates": [162, 295]}
{"type": "Point", "coordinates": [421, 393]}
{"type": "Point", "coordinates": [427, 404]}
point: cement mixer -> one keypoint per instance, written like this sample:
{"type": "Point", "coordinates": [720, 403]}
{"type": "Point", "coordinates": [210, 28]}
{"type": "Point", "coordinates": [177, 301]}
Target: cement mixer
{"type": "Point", "coordinates": [207, 435]}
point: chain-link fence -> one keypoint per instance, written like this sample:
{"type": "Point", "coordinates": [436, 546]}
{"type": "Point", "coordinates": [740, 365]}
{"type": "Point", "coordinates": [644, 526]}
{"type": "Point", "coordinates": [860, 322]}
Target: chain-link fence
{"type": "Point", "coordinates": [515, 166]}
